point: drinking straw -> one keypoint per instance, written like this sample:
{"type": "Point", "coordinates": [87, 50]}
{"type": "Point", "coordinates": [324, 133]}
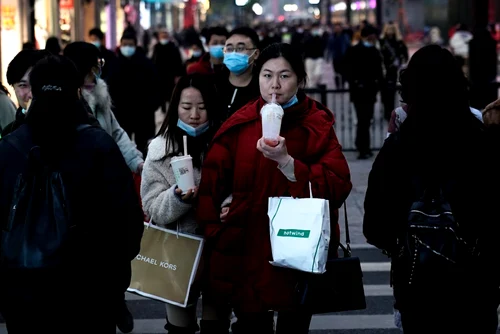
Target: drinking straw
{"type": "Point", "coordinates": [274, 98]}
{"type": "Point", "coordinates": [185, 140]}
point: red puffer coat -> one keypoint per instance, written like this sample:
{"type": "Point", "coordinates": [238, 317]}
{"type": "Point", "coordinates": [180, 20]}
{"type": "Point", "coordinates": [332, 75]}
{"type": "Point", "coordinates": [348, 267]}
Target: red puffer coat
{"type": "Point", "coordinates": [239, 250]}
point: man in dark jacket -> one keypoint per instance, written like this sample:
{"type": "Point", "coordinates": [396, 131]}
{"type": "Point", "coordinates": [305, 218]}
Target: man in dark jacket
{"type": "Point", "coordinates": [168, 62]}
{"type": "Point", "coordinates": [18, 77]}
{"type": "Point", "coordinates": [364, 71]}
{"type": "Point", "coordinates": [135, 90]}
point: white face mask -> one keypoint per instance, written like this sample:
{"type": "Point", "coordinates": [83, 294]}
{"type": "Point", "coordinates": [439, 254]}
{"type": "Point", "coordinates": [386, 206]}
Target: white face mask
{"type": "Point", "coordinates": [164, 41]}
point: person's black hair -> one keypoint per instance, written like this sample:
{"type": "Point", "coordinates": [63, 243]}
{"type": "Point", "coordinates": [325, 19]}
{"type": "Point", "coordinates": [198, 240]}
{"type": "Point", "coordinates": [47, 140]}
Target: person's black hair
{"type": "Point", "coordinates": [128, 34]}
{"type": "Point", "coordinates": [219, 31]}
{"type": "Point", "coordinates": [291, 55]}
{"type": "Point", "coordinates": [368, 30]}
{"type": "Point", "coordinates": [196, 146]}
{"type": "Point", "coordinates": [97, 32]}
{"type": "Point", "coordinates": [248, 32]}
{"type": "Point", "coordinates": [56, 109]}
{"type": "Point", "coordinates": [29, 46]}
{"type": "Point", "coordinates": [199, 44]}
{"type": "Point", "coordinates": [22, 62]}
{"type": "Point", "coordinates": [53, 46]}
{"type": "Point", "coordinates": [436, 91]}
{"type": "Point", "coordinates": [83, 55]}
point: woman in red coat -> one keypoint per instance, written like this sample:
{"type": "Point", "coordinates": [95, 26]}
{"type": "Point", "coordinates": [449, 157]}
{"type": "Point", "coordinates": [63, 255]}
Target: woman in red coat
{"type": "Point", "coordinates": [242, 171]}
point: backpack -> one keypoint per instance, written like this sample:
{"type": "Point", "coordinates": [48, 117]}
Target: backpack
{"type": "Point", "coordinates": [40, 224]}
{"type": "Point", "coordinates": [432, 246]}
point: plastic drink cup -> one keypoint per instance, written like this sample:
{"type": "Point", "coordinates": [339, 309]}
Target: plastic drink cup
{"type": "Point", "coordinates": [272, 114]}
{"type": "Point", "coordinates": [183, 172]}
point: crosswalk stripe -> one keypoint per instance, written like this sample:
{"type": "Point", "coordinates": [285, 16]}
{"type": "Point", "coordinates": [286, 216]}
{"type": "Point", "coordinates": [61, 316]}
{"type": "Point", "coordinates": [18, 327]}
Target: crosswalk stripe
{"type": "Point", "coordinates": [370, 290]}
{"type": "Point", "coordinates": [375, 266]}
{"type": "Point", "coordinates": [329, 322]}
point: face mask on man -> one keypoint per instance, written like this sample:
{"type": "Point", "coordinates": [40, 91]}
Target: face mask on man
{"type": "Point", "coordinates": [367, 44]}
{"type": "Point", "coordinates": [217, 51]}
{"type": "Point", "coordinates": [97, 44]}
{"type": "Point", "coordinates": [164, 41]}
{"type": "Point", "coordinates": [236, 63]}
{"type": "Point", "coordinates": [196, 53]}
{"type": "Point", "coordinates": [127, 51]}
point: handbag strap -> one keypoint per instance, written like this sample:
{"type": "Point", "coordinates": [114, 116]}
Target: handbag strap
{"type": "Point", "coordinates": [347, 248]}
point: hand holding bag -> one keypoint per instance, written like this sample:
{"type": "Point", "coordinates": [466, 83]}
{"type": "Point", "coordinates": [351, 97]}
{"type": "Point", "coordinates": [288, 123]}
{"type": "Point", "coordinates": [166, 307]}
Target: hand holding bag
{"type": "Point", "coordinates": [300, 232]}
{"type": "Point", "coordinates": [339, 289]}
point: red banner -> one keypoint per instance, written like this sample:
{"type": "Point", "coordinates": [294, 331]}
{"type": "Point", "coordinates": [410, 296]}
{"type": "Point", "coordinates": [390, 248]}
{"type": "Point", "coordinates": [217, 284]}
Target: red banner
{"type": "Point", "coordinates": [66, 4]}
{"type": "Point", "coordinates": [189, 12]}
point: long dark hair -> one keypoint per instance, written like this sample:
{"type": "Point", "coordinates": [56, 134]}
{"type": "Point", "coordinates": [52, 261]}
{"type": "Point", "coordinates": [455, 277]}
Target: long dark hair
{"type": "Point", "coordinates": [197, 146]}
{"type": "Point", "coordinates": [56, 109]}
{"type": "Point", "coordinates": [439, 118]}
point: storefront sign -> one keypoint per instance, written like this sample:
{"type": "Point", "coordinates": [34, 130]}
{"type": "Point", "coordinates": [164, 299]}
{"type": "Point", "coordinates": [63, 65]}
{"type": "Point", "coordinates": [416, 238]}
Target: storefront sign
{"type": "Point", "coordinates": [8, 17]}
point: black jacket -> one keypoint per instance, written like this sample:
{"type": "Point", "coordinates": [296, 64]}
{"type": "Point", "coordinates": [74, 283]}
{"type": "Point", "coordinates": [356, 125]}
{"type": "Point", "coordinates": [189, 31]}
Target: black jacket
{"type": "Point", "coordinates": [109, 223]}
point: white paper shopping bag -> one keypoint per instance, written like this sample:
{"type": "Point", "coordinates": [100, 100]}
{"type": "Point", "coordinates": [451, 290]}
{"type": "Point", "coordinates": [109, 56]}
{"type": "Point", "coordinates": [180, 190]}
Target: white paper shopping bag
{"type": "Point", "coordinates": [300, 233]}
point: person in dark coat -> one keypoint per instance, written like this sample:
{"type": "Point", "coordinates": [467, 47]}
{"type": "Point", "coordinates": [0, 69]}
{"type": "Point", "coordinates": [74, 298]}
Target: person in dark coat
{"type": "Point", "coordinates": [483, 61]}
{"type": "Point", "coordinates": [135, 91]}
{"type": "Point", "coordinates": [364, 71]}
{"type": "Point", "coordinates": [168, 62]}
{"type": "Point", "coordinates": [105, 212]}
{"type": "Point", "coordinates": [440, 143]}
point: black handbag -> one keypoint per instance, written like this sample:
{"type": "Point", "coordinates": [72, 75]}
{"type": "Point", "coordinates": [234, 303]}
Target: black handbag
{"type": "Point", "coordinates": [339, 289]}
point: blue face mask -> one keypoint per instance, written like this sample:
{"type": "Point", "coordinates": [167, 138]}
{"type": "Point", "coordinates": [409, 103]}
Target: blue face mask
{"type": "Point", "coordinates": [217, 51]}
{"type": "Point", "coordinates": [127, 51]}
{"type": "Point", "coordinates": [367, 44]}
{"type": "Point", "coordinates": [293, 101]}
{"type": "Point", "coordinates": [237, 63]}
{"type": "Point", "coordinates": [196, 54]}
{"type": "Point", "coordinates": [97, 44]}
{"type": "Point", "coordinates": [193, 132]}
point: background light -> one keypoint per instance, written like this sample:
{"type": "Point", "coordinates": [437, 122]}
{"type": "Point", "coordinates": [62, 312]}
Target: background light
{"type": "Point", "coordinates": [257, 9]}
{"type": "Point", "coordinates": [241, 3]}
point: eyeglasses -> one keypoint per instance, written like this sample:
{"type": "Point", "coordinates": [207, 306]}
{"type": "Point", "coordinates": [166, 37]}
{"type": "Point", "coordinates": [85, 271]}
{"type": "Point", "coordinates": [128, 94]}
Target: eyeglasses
{"type": "Point", "coordinates": [238, 49]}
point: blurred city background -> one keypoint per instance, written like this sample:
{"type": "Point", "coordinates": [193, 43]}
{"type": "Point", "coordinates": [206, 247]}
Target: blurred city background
{"type": "Point", "coordinates": [35, 21]}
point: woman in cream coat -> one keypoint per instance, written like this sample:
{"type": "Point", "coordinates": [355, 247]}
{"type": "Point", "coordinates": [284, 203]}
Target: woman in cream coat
{"type": "Point", "coordinates": [191, 113]}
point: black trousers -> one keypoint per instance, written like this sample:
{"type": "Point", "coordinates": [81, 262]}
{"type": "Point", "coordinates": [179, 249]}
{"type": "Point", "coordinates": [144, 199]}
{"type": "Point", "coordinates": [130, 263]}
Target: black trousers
{"type": "Point", "coordinates": [364, 113]}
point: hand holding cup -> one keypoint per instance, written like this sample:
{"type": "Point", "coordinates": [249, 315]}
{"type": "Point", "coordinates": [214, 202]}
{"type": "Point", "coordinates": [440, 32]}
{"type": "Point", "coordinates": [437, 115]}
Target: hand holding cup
{"type": "Point", "coordinates": [278, 153]}
{"type": "Point", "coordinates": [189, 195]}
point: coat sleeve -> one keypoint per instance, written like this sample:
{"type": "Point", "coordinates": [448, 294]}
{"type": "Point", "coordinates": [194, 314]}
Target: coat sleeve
{"type": "Point", "coordinates": [158, 196]}
{"type": "Point", "coordinates": [215, 186]}
{"type": "Point", "coordinates": [329, 176]}
{"type": "Point", "coordinates": [123, 203]}
{"type": "Point", "coordinates": [380, 205]}
{"type": "Point", "coordinates": [133, 157]}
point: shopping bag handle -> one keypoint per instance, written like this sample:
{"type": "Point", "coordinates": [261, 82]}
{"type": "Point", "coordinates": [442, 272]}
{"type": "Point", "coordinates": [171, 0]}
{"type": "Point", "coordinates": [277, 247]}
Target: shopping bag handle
{"type": "Point", "coordinates": [347, 248]}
